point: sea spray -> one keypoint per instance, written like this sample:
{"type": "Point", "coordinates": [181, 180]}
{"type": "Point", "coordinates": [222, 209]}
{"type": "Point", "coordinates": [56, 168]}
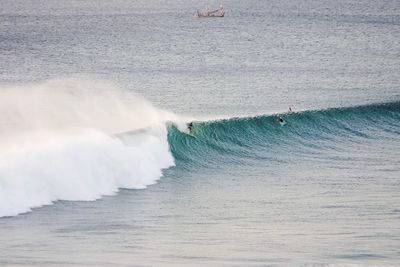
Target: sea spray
{"type": "Point", "coordinates": [72, 103]}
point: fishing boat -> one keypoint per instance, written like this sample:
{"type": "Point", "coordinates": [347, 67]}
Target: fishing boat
{"type": "Point", "coordinates": [219, 13]}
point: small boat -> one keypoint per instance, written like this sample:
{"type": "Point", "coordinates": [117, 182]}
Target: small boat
{"type": "Point", "coordinates": [219, 13]}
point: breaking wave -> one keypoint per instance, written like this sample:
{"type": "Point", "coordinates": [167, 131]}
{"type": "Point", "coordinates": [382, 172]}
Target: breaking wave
{"type": "Point", "coordinates": [79, 140]}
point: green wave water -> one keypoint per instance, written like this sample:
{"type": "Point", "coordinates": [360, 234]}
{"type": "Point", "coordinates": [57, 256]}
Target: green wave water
{"type": "Point", "coordinates": [265, 137]}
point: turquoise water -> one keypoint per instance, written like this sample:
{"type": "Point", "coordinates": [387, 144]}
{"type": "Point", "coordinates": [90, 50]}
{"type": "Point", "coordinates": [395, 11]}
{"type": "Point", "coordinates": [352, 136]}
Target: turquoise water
{"type": "Point", "coordinates": [96, 168]}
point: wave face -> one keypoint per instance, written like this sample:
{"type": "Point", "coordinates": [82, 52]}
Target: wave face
{"type": "Point", "coordinates": [263, 137]}
{"type": "Point", "coordinates": [58, 142]}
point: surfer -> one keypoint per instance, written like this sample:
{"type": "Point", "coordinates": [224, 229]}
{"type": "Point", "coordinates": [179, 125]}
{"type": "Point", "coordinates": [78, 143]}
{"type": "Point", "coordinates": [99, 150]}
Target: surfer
{"type": "Point", "coordinates": [290, 109]}
{"type": "Point", "coordinates": [281, 121]}
{"type": "Point", "coordinates": [190, 126]}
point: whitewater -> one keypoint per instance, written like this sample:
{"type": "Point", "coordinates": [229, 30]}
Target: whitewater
{"type": "Point", "coordinates": [59, 141]}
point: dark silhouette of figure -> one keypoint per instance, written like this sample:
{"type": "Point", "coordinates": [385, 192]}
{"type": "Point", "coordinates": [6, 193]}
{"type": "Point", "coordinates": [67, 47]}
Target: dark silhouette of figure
{"type": "Point", "coordinates": [190, 126]}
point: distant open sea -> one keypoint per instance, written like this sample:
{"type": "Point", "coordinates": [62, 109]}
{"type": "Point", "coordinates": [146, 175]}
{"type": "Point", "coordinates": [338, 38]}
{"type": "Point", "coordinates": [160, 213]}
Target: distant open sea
{"type": "Point", "coordinates": [293, 158]}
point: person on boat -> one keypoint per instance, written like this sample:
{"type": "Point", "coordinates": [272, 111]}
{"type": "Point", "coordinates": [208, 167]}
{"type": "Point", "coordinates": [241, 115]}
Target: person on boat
{"type": "Point", "coordinates": [221, 10]}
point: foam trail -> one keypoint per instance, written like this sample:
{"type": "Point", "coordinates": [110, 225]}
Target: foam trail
{"type": "Point", "coordinates": [57, 144]}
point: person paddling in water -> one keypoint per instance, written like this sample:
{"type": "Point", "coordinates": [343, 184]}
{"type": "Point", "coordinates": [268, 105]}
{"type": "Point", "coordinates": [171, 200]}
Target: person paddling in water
{"type": "Point", "coordinates": [281, 121]}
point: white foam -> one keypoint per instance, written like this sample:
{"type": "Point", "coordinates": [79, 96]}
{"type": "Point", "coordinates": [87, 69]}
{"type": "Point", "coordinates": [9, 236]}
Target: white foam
{"type": "Point", "coordinates": [57, 143]}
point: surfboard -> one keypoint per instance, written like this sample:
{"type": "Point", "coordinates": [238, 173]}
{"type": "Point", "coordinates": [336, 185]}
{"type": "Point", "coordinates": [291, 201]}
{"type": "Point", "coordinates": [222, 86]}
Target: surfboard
{"type": "Point", "coordinates": [189, 134]}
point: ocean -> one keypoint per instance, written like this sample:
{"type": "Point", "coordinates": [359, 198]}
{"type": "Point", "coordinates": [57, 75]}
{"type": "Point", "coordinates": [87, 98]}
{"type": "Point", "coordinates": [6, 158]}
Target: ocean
{"type": "Point", "coordinates": [293, 158]}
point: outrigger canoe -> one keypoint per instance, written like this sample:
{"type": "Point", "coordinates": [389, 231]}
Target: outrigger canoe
{"type": "Point", "coordinates": [219, 13]}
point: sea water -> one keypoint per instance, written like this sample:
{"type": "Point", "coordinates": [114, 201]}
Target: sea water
{"type": "Point", "coordinates": [96, 168]}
